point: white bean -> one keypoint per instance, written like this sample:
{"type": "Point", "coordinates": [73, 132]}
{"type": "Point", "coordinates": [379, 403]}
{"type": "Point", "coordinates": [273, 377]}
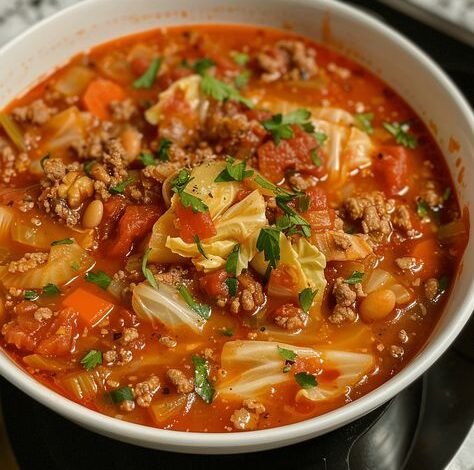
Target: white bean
{"type": "Point", "coordinates": [93, 214]}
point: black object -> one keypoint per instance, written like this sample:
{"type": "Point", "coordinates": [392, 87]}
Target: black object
{"type": "Point", "coordinates": [422, 427]}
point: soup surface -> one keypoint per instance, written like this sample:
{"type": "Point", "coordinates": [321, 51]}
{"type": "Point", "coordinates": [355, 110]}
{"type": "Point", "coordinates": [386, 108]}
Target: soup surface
{"type": "Point", "coordinates": [220, 228]}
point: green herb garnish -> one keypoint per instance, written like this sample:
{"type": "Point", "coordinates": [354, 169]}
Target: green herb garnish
{"type": "Point", "coordinates": [442, 285]}
{"type": "Point", "coordinates": [120, 188]}
{"type": "Point", "coordinates": [291, 223]}
{"type": "Point", "coordinates": [64, 241]}
{"type": "Point", "coordinates": [75, 265]}
{"type": "Point", "coordinates": [147, 272]}
{"type": "Point", "coordinates": [305, 380]}
{"type": "Point", "coordinates": [187, 200]}
{"type": "Point", "coordinates": [92, 359]}
{"type": "Point", "coordinates": [232, 172]}
{"type": "Point", "coordinates": [43, 159]}
{"type": "Point", "coordinates": [202, 310]}
{"type": "Point", "coordinates": [99, 278]}
{"type": "Point", "coordinates": [422, 208]}
{"type": "Point", "coordinates": [88, 166]}
{"type": "Point", "coordinates": [268, 241]}
{"type": "Point", "coordinates": [49, 290]}
{"type": "Point", "coordinates": [303, 203]}
{"type": "Point", "coordinates": [202, 386]}
{"type": "Point", "coordinates": [242, 78]}
{"type": "Point", "coordinates": [446, 194]}
{"type": "Point", "coordinates": [201, 66]}
{"type": "Point", "coordinates": [121, 394]}
{"type": "Point", "coordinates": [232, 285]}
{"type": "Point", "coordinates": [227, 332]}
{"type": "Point", "coordinates": [199, 246]}
{"type": "Point", "coordinates": [279, 125]}
{"type": "Point", "coordinates": [364, 122]}
{"type": "Point", "coordinates": [240, 58]}
{"type": "Point", "coordinates": [222, 91]}
{"type": "Point", "coordinates": [287, 354]}
{"type": "Point", "coordinates": [354, 278]}
{"type": "Point", "coordinates": [232, 260]}
{"type": "Point", "coordinates": [147, 80]}
{"type": "Point", "coordinates": [163, 150]}
{"type": "Point", "coordinates": [30, 295]}
{"type": "Point", "coordinates": [147, 158]}
{"type": "Point", "coordinates": [306, 297]}
{"type": "Point", "coordinates": [315, 158]}
{"type": "Point", "coordinates": [401, 134]}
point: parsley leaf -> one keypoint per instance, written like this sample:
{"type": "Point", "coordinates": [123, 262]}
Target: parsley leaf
{"type": "Point", "coordinates": [232, 172]}
{"type": "Point", "coordinates": [163, 150]}
{"type": "Point", "coordinates": [147, 158]}
{"type": "Point", "coordinates": [120, 188]}
{"type": "Point", "coordinates": [306, 297]}
{"type": "Point", "coordinates": [202, 310]}
{"type": "Point", "coordinates": [354, 278]}
{"type": "Point", "coordinates": [202, 65]}
{"type": "Point", "coordinates": [279, 125]}
{"type": "Point", "coordinates": [188, 200]}
{"type": "Point", "coordinates": [121, 394]}
{"type": "Point", "coordinates": [442, 285]}
{"type": "Point", "coordinates": [92, 359]}
{"type": "Point", "coordinates": [75, 265]}
{"type": "Point", "coordinates": [422, 208]}
{"type": "Point", "coordinates": [315, 158]}
{"type": "Point", "coordinates": [232, 260]}
{"type": "Point", "coordinates": [321, 137]}
{"type": "Point", "coordinates": [264, 183]}
{"type": "Point", "coordinates": [291, 222]}
{"type": "Point", "coordinates": [364, 122]}
{"type": "Point", "coordinates": [232, 285]}
{"type": "Point", "coordinates": [305, 380]}
{"type": "Point", "coordinates": [227, 332]}
{"type": "Point", "coordinates": [30, 295]}
{"type": "Point", "coordinates": [240, 58]}
{"type": "Point", "coordinates": [180, 181]}
{"type": "Point", "coordinates": [242, 78]}
{"type": "Point", "coordinates": [99, 278]}
{"type": "Point", "coordinates": [88, 167]}
{"type": "Point", "coordinates": [64, 241]}
{"type": "Point", "coordinates": [268, 241]}
{"type": "Point", "coordinates": [147, 80]}
{"type": "Point", "coordinates": [400, 132]}
{"type": "Point", "coordinates": [49, 290]}
{"type": "Point", "coordinates": [303, 203]}
{"type": "Point", "coordinates": [199, 246]}
{"type": "Point", "coordinates": [287, 354]}
{"type": "Point", "coordinates": [146, 270]}
{"type": "Point", "coordinates": [201, 379]}
{"type": "Point", "coordinates": [222, 91]}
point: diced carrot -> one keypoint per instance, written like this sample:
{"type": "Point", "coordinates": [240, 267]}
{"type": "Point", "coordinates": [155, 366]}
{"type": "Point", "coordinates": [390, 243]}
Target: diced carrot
{"type": "Point", "coordinates": [213, 284]}
{"type": "Point", "coordinates": [428, 252]}
{"type": "Point", "coordinates": [99, 94]}
{"type": "Point", "coordinates": [90, 307]}
{"type": "Point", "coordinates": [391, 167]}
{"type": "Point", "coordinates": [136, 222]}
{"type": "Point", "coordinates": [60, 338]}
{"type": "Point", "coordinates": [192, 223]}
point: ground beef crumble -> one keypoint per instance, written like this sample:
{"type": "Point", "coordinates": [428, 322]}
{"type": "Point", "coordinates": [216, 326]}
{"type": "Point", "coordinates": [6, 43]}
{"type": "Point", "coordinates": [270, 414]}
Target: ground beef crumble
{"type": "Point", "coordinates": [249, 295]}
{"type": "Point", "coordinates": [247, 417]}
{"type": "Point", "coordinates": [346, 296]}
{"type": "Point", "coordinates": [180, 381]}
{"type": "Point", "coordinates": [27, 262]}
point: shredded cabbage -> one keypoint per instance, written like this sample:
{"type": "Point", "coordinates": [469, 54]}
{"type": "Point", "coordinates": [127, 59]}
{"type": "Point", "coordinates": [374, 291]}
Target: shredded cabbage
{"type": "Point", "coordinates": [381, 279]}
{"type": "Point", "coordinates": [165, 305]}
{"type": "Point", "coordinates": [326, 243]}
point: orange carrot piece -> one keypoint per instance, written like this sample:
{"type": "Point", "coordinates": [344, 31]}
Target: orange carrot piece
{"type": "Point", "coordinates": [99, 94]}
{"type": "Point", "coordinates": [427, 251]}
{"type": "Point", "coordinates": [91, 308]}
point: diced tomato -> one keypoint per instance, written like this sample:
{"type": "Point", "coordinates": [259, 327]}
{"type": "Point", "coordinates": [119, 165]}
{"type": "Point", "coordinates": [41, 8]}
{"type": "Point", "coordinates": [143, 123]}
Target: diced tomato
{"type": "Point", "coordinates": [22, 331]}
{"type": "Point", "coordinates": [192, 223]}
{"type": "Point", "coordinates": [318, 200]}
{"type": "Point", "coordinates": [294, 153]}
{"type": "Point", "coordinates": [391, 166]}
{"type": "Point", "coordinates": [61, 334]}
{"type": "Point", "coordinates": [310, 365]}
{"type": "Point", "coordinates": [135, 223]}
{"type": "Point", "coordinates": [213, 284]}
{"type": "Point", "coordinates": [113, 210]}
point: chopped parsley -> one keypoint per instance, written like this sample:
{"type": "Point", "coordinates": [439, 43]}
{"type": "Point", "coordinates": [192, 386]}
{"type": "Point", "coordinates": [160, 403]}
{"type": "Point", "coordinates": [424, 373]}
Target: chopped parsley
{"type": "Point", "coordinates": [354, 278]}
{"type": "Point", "coordinates": [287, 354]}
{"type": "Point", "coordinates": [227, 332]}
{"type": "Point", "coordinates": [306, 297]}
{"type": "Point", "coordinates": [199, 246]}
{"type": "Point", "coordinates": [231, 172]}
{"type": "Point", "coordinates": [201, 379]}
{"type": "Point", "coordinates": [49, 290]}
{"type": "Point", "coordinates": [232, 260]}
{"type": "Point", "coordinates": [242, 78]}
{"type": "Point", "coordinates": [315, 158]}
{"type": "Point", "coordinates": [120, 188]}
{"type": "Point", "coordinates": [240, 58]}
{"type": "Point", "coordinates": [75, 265]}
{"type": "Point", "coordinates": [163, 150]}
{"type": "Point", "coordinates": [303, 203]}
{"type": "Point", "coordinates": [99, 278]}
{"type": "Point", "coordinates": [202, 310]}
{"type": "Point", "coordinates": [321, 137]}
{"type": "Point", "coordinates": [201, 66]}
{"type": "Point", "coordinates": [147, 158]}
{"type": "Point", "coordinates": [222, 91]}
{"type": "Point", "coordinates": [305, 380]}
{"type": "Point", "coordinates": [187, 200]}
{"type": "Point", "coordinates": [43, 159]}
{"type": "Point", "coordinates": [442, 285]}
{"type": "Point", "coordinates": [121, 394]}
{"type": "Point", "coordinates": [364, 122]}
{"type": "Point", "coordinates": [88, 166]}
{"type": "Point", "coordinates": [180, 181]}
{"type": "Point", "coordinates": [279, 125]}
{"type": "Point", "coordinates": [264, 183]}
{"type": "Point", "coordinates": [64, 241]}
{"type": "Point", "coordinates": [30, 295]}
{"type": "Point", "coordinates": [268, 241]}
{"type": "Point", "coordinates": [92, 359]}
{"type": "Point", "coordinates": [146, 270]}
{"type": "Point", "coordinates": [232, 285]}
{"type": "Point", "coordinates": [422, 208]}
{"type": "Point", "coordinates": [291, 222]}
{"type": "Point", "coordinates": [147, 80]}
{"type": "Point", "coordinates": [401, 134]}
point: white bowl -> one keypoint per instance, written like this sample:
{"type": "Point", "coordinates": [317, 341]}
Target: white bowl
{"type": "Point", "coordinates": [401, 64]}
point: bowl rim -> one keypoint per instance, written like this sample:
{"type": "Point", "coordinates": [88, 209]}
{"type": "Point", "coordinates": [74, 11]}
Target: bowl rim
{"type": "Point", "coordinates": [182, 441]}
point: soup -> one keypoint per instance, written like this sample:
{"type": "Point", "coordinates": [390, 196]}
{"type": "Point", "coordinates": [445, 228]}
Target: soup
{"type": "Point", "coordinates": [220, 228]}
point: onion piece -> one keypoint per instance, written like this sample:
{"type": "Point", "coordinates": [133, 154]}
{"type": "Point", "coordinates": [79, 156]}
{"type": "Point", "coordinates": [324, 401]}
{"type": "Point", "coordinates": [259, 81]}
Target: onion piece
{"type": "Point", "coordinates": [13, 131]}
{"type": "Point", "coordinates": [74, 81]}
{"type": "Point", "coordinates": [381, 279]}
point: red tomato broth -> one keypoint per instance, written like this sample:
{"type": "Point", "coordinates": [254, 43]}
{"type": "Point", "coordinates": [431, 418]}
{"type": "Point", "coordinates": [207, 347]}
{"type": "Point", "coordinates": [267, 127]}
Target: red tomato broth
{"type": "Point", "coordinates": [361, 86]}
